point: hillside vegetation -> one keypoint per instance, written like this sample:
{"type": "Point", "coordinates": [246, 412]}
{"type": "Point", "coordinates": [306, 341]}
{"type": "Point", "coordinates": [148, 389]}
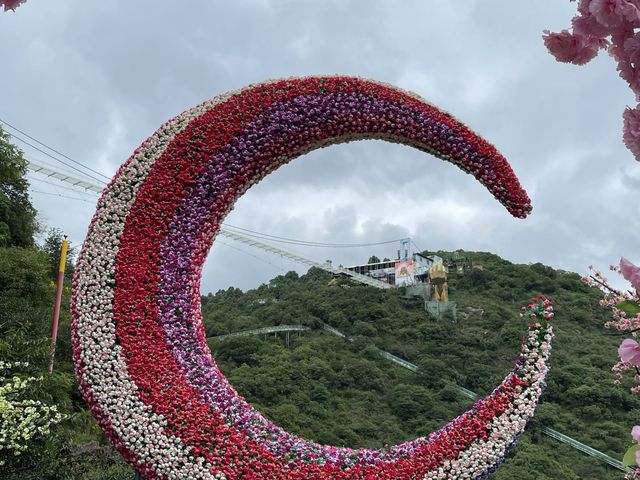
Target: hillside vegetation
{"type": "Point", "coordinates": [318, 385]}
{"type": "Point", "coordinates": [333, 391]}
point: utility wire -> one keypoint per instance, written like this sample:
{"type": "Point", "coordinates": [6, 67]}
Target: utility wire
{"type": "Point", "coordinates": [250, 254]}
{"type": "Point", "coordinates": [276, 238]}
{"type": "Point", "coordinates": [246, 231]}
{"type": "Point", "coordinates": [41, 162]}
{"type": "Point", "coordinates": [63, 196]}
{"type": "Point", "coordinates": [52, 149]}
{"type": "Point", "coordinates": [417, 247]}
{"type": "Point", "coordinates": [70, 189]}
{"type": "Point", "coordinates": [55, 158]}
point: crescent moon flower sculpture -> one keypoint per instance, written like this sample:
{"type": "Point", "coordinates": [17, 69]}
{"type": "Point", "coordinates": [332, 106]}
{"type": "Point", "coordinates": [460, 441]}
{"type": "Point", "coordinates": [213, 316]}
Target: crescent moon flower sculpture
{"type": "Point", "coordinates": [141, 357]}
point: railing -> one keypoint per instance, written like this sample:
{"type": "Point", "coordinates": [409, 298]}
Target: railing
{"type": "Point", "coordinates": [76, 182]}
{"type": "Point", "coordinates": [263, 331]}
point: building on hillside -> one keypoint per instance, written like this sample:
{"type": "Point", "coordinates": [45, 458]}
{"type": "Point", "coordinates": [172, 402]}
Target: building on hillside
{"type": "Point", "coordinates": [407, 269]}
{"type": "Point", "coordinates": [423, 276]}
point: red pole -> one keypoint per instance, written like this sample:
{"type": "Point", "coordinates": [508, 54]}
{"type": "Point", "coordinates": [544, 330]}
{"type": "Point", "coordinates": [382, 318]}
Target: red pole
{"type": "Point", "coordinates": [56, 309]}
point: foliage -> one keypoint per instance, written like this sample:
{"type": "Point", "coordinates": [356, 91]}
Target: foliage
{"type": "Point", "coordinates": [75, 448]}
{"type": "Point", "coordinates": [22, 420]}
{"type": "Point", "coordinates": [625, 318]}
{"type": "Point", "coordinates": [476, 353]}
{"type": "Point", "coordinates": [51, 246]}
{"type": "Point", "coordinates": [344, 393]}
{"type": "Point", "coordinates": [17, 215]}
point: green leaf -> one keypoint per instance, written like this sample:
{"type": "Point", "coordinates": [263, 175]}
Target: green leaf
{"type": "Point", "coordinates": [630, 457]}
{"type": "Point", "coordinates": [629, 307]}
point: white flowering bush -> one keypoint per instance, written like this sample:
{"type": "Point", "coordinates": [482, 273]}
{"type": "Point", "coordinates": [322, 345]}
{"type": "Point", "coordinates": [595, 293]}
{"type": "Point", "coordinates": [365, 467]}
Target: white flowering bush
{"type": "Point", "coordinates": [22, 420]}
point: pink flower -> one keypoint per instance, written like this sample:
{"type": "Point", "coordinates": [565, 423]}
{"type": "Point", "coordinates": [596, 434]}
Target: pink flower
{"type": "Point", "coordinates": [583, 7]}
{"type": "Point", "coordinates": [630, 272]}
{"type": "Point", "coordinates": [11, 4]}
{"type": "Point", "coordinates": [571, 48]}
{"type": "Point", "coordinates": [613, 13]}
{"type": "Point", "coordinates": [635, 433]}
{"type": "Point", "coordinates": [587, 25]}
{"type": "Point", "coordinates": [629, 352]}
{"type": "Point", "coordinates": [631, 137]}
{"type": "Point", "coordinates": [631, 74]}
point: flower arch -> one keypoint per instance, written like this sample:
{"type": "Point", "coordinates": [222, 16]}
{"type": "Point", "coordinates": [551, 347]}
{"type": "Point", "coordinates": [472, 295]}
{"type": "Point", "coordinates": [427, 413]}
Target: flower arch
{"type": "Point", "coordinates": [140, 352]}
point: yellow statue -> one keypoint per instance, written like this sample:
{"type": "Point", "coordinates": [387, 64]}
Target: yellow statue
{"type": "Point", "coordinates": [438, 277]}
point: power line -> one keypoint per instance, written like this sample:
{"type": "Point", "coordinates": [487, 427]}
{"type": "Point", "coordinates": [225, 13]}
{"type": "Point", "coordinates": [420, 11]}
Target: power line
{"type": "Point", "coordinates": [251, 255]}
{"type": "Point", "coordinates": [63, 196]}
{"type": "Point", "coordinates": [74, 190]}
{"type": "Point", "coordinates": [249, 232]}
{"type": "Point", "coordinates": [276, 238]}
{"type": "Point", "coordinates": [63, 177]}
{"type": "Point", "coordinates": [52, 149]}
{"type": "Point", "coordinates": [417, 247]}
{"type": "Point", "coordinates": [273, 238]}
{"type": "Point", "coordinates": [55, 158]}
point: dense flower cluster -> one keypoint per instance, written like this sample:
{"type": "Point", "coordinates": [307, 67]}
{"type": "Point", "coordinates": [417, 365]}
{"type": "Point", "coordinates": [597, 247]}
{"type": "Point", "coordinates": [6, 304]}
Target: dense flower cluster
{"type": "Point", "coordinates": [22, 420]}
{"type": "Point", "coordinates": [610, 25]}
{"type": "Point", "coordinates": [11, 4]}
{"type": "Point", "coordinates": [141, 357]}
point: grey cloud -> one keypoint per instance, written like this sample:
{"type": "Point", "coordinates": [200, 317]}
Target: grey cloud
{"type": "Point", "coordinates": [94, 79]}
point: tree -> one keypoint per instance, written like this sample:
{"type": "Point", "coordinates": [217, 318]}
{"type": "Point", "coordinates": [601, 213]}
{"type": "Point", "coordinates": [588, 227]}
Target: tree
{"type": "Point", "coordinates": [52, 246]}
{"type": "Point", "coordinates": [17, 215]}
{"type": "Point", "coordinates": [373, 259]}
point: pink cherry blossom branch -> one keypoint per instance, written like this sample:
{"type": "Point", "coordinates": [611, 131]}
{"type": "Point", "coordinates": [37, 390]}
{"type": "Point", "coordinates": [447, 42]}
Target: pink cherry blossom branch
{"type": "Point", "coordinates": [606, 25]}
{"type": "Point", "coordinates": [622, 305]}
{"type": "Point", "coordinates": [11, 4]}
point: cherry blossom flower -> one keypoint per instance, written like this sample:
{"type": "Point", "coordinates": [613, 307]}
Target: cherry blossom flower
{"type": "Point", "coordinates": [571, 47]}
{"type": "Point", "coordinates": [625, 309]}
{"type": "Point", "coordinates": [613, 13]}
{"type": "Point", "coordinates": [630, 271]}
{"type": "Point", "coordinates": [610, 25]}
{"type": "Point", "coordinates": [11, 4]}
{"type": "Point", "coordinates": [629, 352]}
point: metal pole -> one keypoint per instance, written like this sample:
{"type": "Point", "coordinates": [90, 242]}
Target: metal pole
{"type": "Point", "coordinates": [56, 309]}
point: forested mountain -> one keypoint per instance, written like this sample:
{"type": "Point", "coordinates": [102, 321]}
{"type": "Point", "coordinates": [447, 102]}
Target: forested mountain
{"type": "Point", "coordinates": [344, 393]}
{"type": "Point", "coordinates": [318, 385]}
{"type": "Point", "coordinates": [334, 391]}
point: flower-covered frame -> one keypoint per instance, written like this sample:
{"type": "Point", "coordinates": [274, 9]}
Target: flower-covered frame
{"type": "Point", "coordinates": [140, 351]}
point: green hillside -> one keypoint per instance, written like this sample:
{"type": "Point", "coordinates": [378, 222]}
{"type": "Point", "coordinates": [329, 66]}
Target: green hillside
{"type": "Point", "coordinates": [318, 385]}
{"type": "Point", "coordinates": [333, 391]}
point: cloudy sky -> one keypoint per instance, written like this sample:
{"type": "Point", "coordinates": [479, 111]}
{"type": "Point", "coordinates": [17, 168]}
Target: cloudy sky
{"type": "Point", "coordinates": [94, 79]}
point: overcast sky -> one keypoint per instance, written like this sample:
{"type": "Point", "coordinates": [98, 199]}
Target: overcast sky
{"type": "Point", "coordinates": [94, 79]}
